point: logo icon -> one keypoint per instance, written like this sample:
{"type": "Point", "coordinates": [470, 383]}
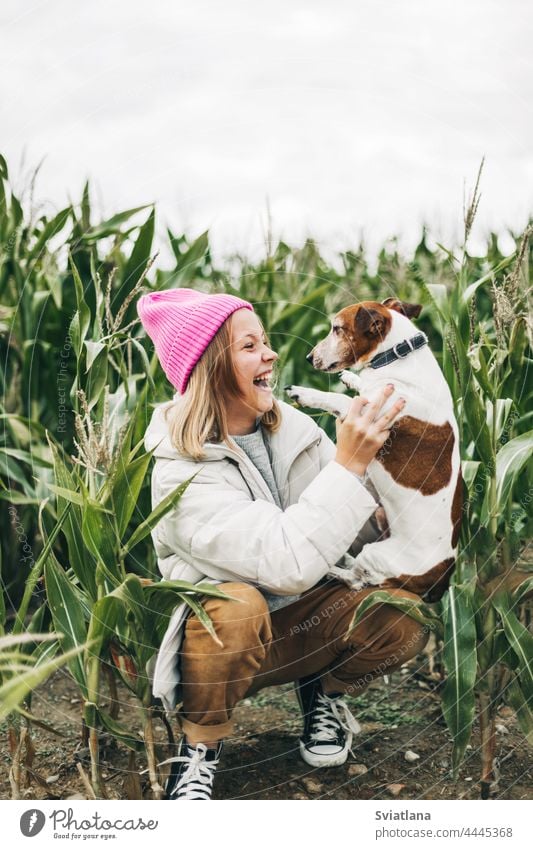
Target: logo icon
{"type": "Point", "coordinates": [32, 822]}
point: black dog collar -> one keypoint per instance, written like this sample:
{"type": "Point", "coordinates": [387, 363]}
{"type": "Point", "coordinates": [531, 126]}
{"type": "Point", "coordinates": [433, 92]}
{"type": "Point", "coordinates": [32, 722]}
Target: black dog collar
{"type": "Point", "coordinates": [399, 351]}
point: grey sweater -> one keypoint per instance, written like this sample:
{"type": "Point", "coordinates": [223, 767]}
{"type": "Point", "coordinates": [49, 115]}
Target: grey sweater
{"type": "Point", "coordinates": [255, 446]}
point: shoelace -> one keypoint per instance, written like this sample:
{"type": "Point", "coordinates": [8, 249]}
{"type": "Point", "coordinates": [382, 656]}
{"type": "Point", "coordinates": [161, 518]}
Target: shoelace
{"type": "Point", "coordinates": [197, 780]}
{"type": "Point", "coordinates": [328, 718]}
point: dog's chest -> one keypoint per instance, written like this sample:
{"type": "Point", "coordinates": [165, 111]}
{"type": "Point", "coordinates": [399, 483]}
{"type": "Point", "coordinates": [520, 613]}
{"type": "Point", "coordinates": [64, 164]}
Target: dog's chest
{"type": "Point", "coordinates": [421, 452]}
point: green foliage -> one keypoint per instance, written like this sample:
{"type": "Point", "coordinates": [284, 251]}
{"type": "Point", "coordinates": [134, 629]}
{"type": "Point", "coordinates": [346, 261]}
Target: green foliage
{"type": "Point", "coordinates": [20, 674]}
{"type": "Point", "coordinates": [77, 387]}
{"type": "Point", "coordinates": [483, 322]}
{"type": "Point", "coordinates": [459, 655]}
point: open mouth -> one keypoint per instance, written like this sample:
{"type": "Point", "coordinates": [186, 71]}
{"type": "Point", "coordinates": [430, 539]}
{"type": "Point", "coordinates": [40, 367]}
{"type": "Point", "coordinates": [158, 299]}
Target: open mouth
{"type": "Point", "coordinates": [262, 381]}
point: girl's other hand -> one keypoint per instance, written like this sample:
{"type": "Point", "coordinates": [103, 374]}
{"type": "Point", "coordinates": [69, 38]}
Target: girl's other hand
{"type": "Point", "coordinates": [363, 431]}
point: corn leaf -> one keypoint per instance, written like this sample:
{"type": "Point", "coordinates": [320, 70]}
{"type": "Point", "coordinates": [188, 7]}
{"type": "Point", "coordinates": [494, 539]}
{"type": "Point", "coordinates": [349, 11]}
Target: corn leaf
{"type": "Point", "coordinates": [97, 379]}
{"type": "Point", "coordinates": [18, 639]}
{"type": "Point", "coordinates": [51, 229]}
{"type": "Point", "coordinates": [105, 615]}
{"type": "Point", "coordinates": [469, 469]}
{"type": "Point", "coordinates": [523, 708]}
{"type": "Point", "coordinates": [112, 225]}
{"type": "Point", "coordinates": [126, 489]}
{"type": "Point", "coordinates": [460, 661]}
{"type": "Point", "coordinates": [164, 506]}
{"type": "Point", "coordinates": [76, 498]}
{"type": "Point", "coordinates": [417, 610]}
{"type": "Point", "coordinates": [15, 690]}
{"type": "Point", "coordinates": [79, 558]}
{"type": "Point", "coordinates": [477, 421]}
{"type": "Point", "coordinates": [522, 590]}
{"type": "Point", "coordinates": [293, 309]}
{"type": "Point", "coordinates": [139, 255]}
{"type": "Point", "coordinates": [438, 296]}
{"type": "Point", "coordinates": [93, 349]}
{"type": "Point", "coordinates": [211, 590]}
{"type": "Point", "coordinates": [187, 264]}
{"type": "Point", "coordinates": [520, 640]}
{"type": "Point", "coordinates": [473, 287]}
{"type": "Point", "coordinates": [32, 459]}
{"type": "Point", "coordinates": [80, 323]}
{"type": "Point", "coordinates": [203, 616]}
{"type": "Point", "coordinates": [510, 460]}
{"type": "Point", "coordinates": [99, 535]}
{"type": "Point", "coordinates": [120, 732]}
{"type": "Point", "coordinates": [37, 568]}
{"type": "Point", "coordinates": [67, 616]}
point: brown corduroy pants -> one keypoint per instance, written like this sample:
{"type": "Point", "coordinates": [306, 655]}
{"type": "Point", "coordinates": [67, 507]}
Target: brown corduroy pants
{"type": "Point", "coordinates": [308, 637]}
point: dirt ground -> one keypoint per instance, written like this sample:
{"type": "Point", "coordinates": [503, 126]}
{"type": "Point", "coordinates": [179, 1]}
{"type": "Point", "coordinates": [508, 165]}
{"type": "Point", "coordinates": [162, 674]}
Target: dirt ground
{"type": "Point", "coordinates": [261, 761]}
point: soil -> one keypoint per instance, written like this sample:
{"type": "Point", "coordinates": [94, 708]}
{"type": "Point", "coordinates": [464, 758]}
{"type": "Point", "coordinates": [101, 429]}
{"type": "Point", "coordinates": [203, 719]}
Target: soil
{"type": "Point", "coordinates": [261, 761]}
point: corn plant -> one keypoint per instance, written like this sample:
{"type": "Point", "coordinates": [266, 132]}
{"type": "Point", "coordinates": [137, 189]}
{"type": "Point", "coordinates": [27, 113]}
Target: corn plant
{"type": "Point", "coordinates": [27, 659]}
{"type": "Point", "coordinates": [94, 600]}
{"type": "Point", "coordinates": [21, 671]}
{"type": "Point", "coordinates": [482, 621]}
{"type": "Point", "coordinates": [78, 380]}
{"type": "Point", "coordinates": [488, 649]}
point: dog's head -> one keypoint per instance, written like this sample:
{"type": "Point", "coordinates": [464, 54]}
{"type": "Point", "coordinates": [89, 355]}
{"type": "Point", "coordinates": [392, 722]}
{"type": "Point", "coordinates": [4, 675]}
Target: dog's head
{"type": "Point", "coordinates": [356, 333]}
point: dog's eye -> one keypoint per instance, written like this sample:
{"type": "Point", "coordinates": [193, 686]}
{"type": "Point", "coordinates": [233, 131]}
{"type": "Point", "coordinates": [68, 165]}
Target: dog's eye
{"type": "Point", "coordinates": [336, 329]}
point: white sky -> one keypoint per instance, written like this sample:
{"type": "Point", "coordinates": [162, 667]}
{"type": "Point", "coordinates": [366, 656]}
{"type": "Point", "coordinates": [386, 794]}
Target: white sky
{"type": "Point", "coordinates": [359, 116]}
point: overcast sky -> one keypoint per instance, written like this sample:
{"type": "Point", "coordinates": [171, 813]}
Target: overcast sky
{"type": "Point", "coordinates": [349, 117]}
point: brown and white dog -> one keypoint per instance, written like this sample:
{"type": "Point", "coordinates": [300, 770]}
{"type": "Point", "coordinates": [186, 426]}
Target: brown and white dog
{"type": "Point", "coordinates": [417, 473]}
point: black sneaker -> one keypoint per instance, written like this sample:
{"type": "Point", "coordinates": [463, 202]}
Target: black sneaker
{"type": "Point", "coordinates": [328, 725]}
{"type": "Point", "coordinates": [192, 772]}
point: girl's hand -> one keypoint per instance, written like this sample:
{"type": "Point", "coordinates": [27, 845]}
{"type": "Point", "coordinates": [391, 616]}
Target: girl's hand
{"type": "Point", "coordinates": [363, 431]}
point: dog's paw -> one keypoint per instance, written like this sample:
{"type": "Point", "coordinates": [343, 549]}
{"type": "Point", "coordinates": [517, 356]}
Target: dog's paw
{"type": "Point", "coordinates": [292, 392]}
{"type": "Point", "coordinates": [351, 380]}
{"type": "Point", "coordinates": [347, 576]}
{"type": "Point", "coordinates": [301, 395]}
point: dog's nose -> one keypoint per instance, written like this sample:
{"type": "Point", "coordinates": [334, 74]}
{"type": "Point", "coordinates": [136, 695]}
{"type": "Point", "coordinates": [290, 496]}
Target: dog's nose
{"type": "Point", "coordinates": [309, 357]}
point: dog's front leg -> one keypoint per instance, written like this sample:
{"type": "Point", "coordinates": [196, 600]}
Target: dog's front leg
{"type": "Point", "coordinates": [350, 575]}
{"type": "Point", "coordinates": [330, 402]}
{"type": "Point", "coordinates": [351, 380]}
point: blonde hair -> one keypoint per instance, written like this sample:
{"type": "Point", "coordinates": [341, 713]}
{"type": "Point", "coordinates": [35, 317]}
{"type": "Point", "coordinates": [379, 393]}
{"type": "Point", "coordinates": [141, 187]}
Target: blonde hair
{"type": "Point", "coordinates": [200, 414]}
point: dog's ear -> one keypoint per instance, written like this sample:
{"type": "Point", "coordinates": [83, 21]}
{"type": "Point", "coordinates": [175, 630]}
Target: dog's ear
{"type": "Point", "coordinates": [409, 310]}
{"type": "Point", "coordinates": [370, 321]}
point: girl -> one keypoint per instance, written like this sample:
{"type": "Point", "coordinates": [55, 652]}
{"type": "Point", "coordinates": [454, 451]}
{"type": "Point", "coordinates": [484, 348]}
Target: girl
{"type": "Point", "coordinates": [273, 505]}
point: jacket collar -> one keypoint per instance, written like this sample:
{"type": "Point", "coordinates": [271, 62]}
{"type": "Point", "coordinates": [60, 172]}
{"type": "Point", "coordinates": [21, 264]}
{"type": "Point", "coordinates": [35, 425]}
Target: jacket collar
{"type": "Point", "coordinates": [297, 431]}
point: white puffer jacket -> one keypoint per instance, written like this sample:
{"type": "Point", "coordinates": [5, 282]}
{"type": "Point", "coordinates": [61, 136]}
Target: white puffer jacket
{"type": "Point", "coordinates": [227, 527]}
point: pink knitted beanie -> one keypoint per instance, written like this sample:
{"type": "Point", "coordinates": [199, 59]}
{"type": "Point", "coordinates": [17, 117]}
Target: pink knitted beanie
{"type": "Point", "coordinates": [181, 324]}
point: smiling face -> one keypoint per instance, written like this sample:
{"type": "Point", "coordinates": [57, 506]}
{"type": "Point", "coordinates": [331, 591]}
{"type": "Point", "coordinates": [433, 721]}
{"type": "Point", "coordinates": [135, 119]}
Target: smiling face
{"type": "Point", "coordinates": [252, 363]}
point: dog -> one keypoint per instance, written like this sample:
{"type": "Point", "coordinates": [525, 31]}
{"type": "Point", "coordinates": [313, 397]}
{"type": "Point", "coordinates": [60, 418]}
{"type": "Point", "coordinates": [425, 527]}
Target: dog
{"type": "Point", "coordinates": [417, 472]}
